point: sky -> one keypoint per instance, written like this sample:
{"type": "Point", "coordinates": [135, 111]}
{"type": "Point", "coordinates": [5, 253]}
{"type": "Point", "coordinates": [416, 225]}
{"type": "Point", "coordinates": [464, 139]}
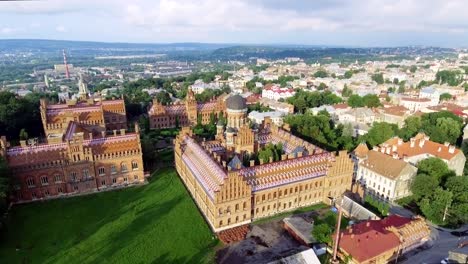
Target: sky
{"type": "Point", "coordinates": [312, 22]}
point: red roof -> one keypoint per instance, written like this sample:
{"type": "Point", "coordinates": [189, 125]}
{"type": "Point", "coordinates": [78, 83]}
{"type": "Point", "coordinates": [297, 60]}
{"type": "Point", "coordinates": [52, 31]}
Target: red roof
{"type": "Point", "coordinates": [369, 239]}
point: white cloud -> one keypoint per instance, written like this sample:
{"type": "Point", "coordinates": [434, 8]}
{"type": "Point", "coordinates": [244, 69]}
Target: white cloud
{"type": "Point", "coordinates": [7, 30]}
{"type": "Point", "coordinates": [60, 28]}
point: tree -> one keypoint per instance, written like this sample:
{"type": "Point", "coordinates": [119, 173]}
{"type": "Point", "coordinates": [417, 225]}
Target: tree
{"type": "Point", "coordinates": [445, 97]}
{"type": "Point", "coordinates": [371, 100]}
{"type": "Point", "coordinates": [322, 233]}
{"type": "Point", "coordinates": [348, 74]}
{"type": "Point", "coordinates": [443, 130]}
{"type": "Point", "coordinates": [378, 78]}
{"type": "Point", "coordinates": [449, 129]}
{"type": "Point", "coordinates": [434, 167]}
{"type": "Point", "coordinates": [380, 132]}
{"type": "Point", "coordinates": [459, 207]}
{"type": "Point", "coordinates": [396, 81]}
{"type": "Point", "coordinates": [452, 78]}
{"type": "Point", "coordinates": [355, 101]}
{"type": "Point", "coordinates": [423, 185]}
{"type": "Point", "coordinates": [322, 86]}
{"type": "Point", "coordinates": [433, 207]}
{"type": "Point", "coordinates": [23, 135]}
{"type": "Point", "coordinates": [411, 128]}
{"type": "Point", "coordinates": [401, 88]}
{"type": "Point", "coordinates": [413, 69]}
{"type": "Point", "coordinates": [321, 73]}
{"type": "Point", "coordinates": [346, 91]}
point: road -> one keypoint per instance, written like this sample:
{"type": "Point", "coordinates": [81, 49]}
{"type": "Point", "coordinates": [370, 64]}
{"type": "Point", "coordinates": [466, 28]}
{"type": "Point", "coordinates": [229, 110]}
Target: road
{"type": "Point", "coordinates": [435, 250]}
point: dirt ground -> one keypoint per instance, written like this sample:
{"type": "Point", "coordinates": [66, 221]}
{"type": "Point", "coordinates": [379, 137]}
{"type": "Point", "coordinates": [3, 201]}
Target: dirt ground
{"type": "Point", "coordinates": [264, 243]}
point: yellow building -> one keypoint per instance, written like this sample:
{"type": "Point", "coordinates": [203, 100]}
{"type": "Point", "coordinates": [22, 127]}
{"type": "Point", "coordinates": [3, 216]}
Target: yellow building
{"type": "Point", "coordinates": [232, 190]}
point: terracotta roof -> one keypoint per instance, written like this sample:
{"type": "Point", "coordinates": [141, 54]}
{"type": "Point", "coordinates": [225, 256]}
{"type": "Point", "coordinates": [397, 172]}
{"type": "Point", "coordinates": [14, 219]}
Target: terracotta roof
{"type": "Point", "coordinates": [370, 239]}
{"type": "Point", "coordinates": [397, 110]}
{"type": "Point", "coordinates": [422, 145]}
{"type": "Point", "coordinates": [341, 106]}
{"type": "Point", "coordinates": [361, 150]}
{"type": "Point", "coordinates": [415, 99]}
{"type": "Point", "coordinates": [383, 164]}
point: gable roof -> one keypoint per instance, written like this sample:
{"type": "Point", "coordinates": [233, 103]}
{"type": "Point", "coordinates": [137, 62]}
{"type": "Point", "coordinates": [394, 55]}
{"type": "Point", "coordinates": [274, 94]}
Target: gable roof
{"type": "Point", "coordinates": [384, 165]}
{"type": "Point", "coordinates": [371, 238]}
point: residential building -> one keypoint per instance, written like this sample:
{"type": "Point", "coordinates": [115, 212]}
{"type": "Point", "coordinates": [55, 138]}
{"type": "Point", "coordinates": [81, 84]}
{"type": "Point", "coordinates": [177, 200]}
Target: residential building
{"type": "Point", "coordinates": [362, 115]}
{"type": "Point", "coordinates": [274, 92]}
{"type": "Point", "coordinates": [275, 116]}
{"type": "Point", "coordinates": [382, 241]}
{"type": "Point", "coordinates": [430, 93]}
{"type": "Point", "coordinates": [415, 104]}
{"type": "Point", "coordinates": [420, 147]}
{"type": "Point", "coordinates": [383, 176]}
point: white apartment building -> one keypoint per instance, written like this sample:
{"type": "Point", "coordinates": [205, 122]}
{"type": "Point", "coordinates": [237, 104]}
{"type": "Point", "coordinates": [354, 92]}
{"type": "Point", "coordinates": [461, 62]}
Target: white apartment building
{"type": "Point", "coordinates": [415, 104]}
{"type": "Point", "coordinates": [385, 177]}
{"type": "Point", "coordinates": [275, 116]}
{"type": "Point", "coordinates": [275, 92]}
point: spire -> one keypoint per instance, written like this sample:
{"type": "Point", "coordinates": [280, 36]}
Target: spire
{"type": "Point", "coordinates": [82, 88]}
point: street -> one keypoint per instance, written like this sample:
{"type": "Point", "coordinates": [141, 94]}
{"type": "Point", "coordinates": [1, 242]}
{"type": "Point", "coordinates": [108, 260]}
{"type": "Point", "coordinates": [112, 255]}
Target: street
{"type": "Point", "coordinates": [435, 250]}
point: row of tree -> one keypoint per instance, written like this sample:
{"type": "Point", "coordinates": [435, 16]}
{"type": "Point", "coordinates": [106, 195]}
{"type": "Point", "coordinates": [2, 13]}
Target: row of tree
{"type": "Point", "coordinates": [441, 196]}
{"type": "Point", "coordinates": [303, 100]}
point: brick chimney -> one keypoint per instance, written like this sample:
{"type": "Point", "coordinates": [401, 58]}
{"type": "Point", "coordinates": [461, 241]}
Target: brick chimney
{"type": "Point", "coordinates": [412, 142]}
{"type": "Point", "coordinates": [451, 149]}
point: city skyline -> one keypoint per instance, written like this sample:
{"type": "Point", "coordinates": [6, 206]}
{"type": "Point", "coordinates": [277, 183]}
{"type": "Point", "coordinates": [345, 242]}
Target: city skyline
{"type": "Point", "coordinates": [337, 22]}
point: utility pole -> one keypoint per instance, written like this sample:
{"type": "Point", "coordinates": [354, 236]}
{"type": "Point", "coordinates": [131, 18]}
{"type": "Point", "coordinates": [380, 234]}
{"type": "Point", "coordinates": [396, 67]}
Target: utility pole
{"type": "Point", "coordinates": [338, 224]}
{"type": "Point", "coordinates": [445, 212]}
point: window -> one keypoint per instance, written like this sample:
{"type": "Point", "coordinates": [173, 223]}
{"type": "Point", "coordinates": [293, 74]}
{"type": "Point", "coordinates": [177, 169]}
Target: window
{"type": "Point", "coordinates": [44, 180]}
{"type": "Point", "coordinates": [125, 179]}
{"type": "Point", "coordinates": [75, 188]}
{"type": "Point", "coordinates": [134, 165]}
{"type": "Point", "coordinates": [101, 171]}
{"type": "Point", "coordinates": [135, 177]}
{"type": "Point", "coordinates": [59, 190]}
{"type": "Point", "coordinates": [30, 182]}
{"type": "Point", "coordinates": [103, 182]}
{"type": "Point", "coordinates": [114, 180]}
{"type": "Point", "coordinates": [73, 176]}
{"type": "Point", "coordinates": [86, 173]}
{"type": "Point", "coordinates": [123, 167]}
{"type": "Point", "coordinates": [113, 169]}
{"type": "Point", "coordinates": [57, 178]}
{"type": "Point", "coordinates": [33, 194]}
{"type": "Point", "coordinates": [47, 193]}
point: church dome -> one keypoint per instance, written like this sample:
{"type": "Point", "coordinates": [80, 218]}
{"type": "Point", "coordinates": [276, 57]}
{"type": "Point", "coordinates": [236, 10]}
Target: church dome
{"type": "Point", "coordinates": [236, 102]}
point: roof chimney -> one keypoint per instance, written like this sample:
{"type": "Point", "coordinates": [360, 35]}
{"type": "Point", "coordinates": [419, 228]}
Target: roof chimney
{"type": "Point", "coordinates": [400, 141]}
{"type": "Point", "coordinates": [421, 142]}
{"type": "Point", "coordinates": [412, 141]}
{"type": "Point", "coordinates": [368, 223]}
{"type": "Point", "coordinates": [446, 144]}
{"type": "Point", "coordinates": [451, 149]}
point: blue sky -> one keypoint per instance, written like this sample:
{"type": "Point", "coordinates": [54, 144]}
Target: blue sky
{"type": "Point", "coordinates": [322, 22]}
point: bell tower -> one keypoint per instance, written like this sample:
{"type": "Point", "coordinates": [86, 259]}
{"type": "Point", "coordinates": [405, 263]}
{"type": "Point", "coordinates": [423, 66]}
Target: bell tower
{"type": "Point", "coordinates": [191, 106]}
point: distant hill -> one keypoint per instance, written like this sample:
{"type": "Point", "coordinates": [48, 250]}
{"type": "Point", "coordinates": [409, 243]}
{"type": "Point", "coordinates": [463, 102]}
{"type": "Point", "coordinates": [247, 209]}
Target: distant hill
{"type": "Point", "coordinates": [45, 46]}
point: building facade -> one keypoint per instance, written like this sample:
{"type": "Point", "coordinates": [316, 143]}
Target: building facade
{"type": "Point", "coordinates": [184, 114]}
{"type": "Point", "coordinates": [421, 147]}
{"type": "Point", "coordinates": [385, 177]}
{"type": "Point", "coordinates": [232, 189]}
{"type": "Point", "coordinates": [382, 241]}
{"type": "Point", "coordinates": [87, 149]}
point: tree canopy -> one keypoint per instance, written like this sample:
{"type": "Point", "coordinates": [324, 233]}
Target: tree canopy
{"type": "Point", "coordinates": [380, 132]}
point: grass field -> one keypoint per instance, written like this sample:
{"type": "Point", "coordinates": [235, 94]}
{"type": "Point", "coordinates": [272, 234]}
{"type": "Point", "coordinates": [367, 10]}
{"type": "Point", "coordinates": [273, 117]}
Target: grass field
{"type": "Point", "coordinates": [155, 223]}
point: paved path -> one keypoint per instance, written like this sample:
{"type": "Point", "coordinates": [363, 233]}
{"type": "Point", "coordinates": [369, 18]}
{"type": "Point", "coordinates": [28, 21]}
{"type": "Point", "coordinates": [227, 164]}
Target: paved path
{"type": "Point", "coordinates": [436, 249]}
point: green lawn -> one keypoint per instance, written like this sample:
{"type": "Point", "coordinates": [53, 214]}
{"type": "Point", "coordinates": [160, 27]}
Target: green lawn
{"type": "Point", "coordinates": [155, 223]}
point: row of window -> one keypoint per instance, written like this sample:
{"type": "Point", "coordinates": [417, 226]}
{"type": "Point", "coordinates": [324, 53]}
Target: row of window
{"type": "Point", "coordinates": [75, 188]}
{"type": "Point", "coordinates": [291, 191]}
{"type": "Point", "coordinates": [229, 220]}
{"type": "Point", "coordinates": [113, 168]}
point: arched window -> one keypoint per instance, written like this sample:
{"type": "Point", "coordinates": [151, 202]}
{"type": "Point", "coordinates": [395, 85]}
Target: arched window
{"type": "Point", "coordinates": [113, 169]}
{"type": "Point", "coordinates": [134, 165]}
{"type": "Point", "coordinates": [245, 205]}
{"type": "Point", "coordinates": [123, 167]}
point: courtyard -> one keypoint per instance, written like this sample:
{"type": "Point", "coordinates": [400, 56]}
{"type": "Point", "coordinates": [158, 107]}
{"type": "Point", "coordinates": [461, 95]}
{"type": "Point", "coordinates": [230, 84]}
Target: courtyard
{"type": "Point", "coordinates": [154, 223]}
